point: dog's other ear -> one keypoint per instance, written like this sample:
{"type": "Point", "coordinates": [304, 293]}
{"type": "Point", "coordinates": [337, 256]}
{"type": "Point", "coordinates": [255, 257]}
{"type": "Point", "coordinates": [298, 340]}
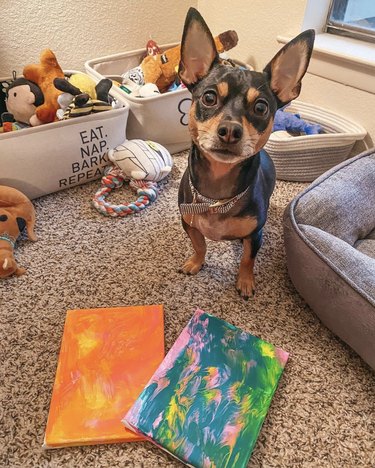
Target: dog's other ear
{"type": "Point", "coordinates": [198, 50]}
{"type": "Point", "coordinates": [286, 70]}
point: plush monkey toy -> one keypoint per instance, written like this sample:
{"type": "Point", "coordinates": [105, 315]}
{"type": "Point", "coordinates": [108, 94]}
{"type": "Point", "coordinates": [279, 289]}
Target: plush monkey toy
{"type": "Point", "coordinates": [23, 97]}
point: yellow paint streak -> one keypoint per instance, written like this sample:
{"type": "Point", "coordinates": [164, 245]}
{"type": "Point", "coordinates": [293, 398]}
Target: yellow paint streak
{"type": "Point", "coordinates": [95, 396]}
{"type": "Point", "coordinates": [235, 392]}
{"type": "Point", "coordinates": [175, 412]}
{"type": "Point", "coordinates": [267, 350]}
{"type": "Point", "coordinates": [87, 342]}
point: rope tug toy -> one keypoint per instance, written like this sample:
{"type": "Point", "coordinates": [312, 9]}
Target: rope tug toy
{"type": "Point", "coordinates": [143, 164]}
{"type": "Point", "coordinates": [147, 193]}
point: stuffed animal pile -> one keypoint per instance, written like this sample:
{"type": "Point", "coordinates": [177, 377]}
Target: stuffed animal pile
{"type": "Point", "coordinates": [160, 68]}
{"type": "Point", "coordinates": [44, 94]}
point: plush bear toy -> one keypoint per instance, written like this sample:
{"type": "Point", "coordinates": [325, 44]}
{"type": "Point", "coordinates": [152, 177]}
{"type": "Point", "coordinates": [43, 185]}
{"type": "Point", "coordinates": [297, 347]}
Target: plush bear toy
{"type": "Point", "coordinates": [23, 97]}
{"type": "Point", "coordinates": [16, 213]}
{"type": "Point", "coordinates": [161, 69]}
{"type": "Point", "coordinates": [43, 75]}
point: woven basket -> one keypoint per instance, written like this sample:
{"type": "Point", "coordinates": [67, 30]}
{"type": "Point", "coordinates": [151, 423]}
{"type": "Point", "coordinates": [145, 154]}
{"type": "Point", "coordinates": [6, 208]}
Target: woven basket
{"type": "Point", "coordinates": [304, 158]}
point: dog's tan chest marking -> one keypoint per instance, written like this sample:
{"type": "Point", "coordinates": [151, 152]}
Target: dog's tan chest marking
{"type": "Point", "coordinates": [218, 169]}
{"type": "Point", "coordinates": [217, 228]}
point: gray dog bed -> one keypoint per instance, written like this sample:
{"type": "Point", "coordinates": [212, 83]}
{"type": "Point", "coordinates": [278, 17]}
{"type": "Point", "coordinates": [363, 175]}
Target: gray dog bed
{"type": "Point", "coordinates": [329, 232]}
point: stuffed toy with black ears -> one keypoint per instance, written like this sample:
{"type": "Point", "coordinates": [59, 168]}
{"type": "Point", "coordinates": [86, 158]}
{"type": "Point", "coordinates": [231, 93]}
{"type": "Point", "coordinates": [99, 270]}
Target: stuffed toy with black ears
{"type": "Point", "coordinates": [82, 96]}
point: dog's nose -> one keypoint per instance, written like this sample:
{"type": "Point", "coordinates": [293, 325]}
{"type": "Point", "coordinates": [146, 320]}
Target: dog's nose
{"type": "Point", "coordinates": [230, 132]}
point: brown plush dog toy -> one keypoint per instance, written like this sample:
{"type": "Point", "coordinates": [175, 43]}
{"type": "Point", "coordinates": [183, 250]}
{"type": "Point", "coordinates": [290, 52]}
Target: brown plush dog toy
{"type": "Point", "coordinates": [16, 212]}
{"type": "Point", "coordinates": [161, 69]}
{"type": "Point", "coordinates": [43, 75]}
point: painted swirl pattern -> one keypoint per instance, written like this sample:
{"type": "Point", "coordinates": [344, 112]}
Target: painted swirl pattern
{"type": "Point", "coordinates": [99, 375]}
{"type": "Point", "coordinates": [207, 401]}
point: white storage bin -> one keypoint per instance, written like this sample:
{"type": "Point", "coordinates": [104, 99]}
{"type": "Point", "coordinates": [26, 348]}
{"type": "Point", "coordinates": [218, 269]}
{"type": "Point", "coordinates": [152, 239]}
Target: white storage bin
{"type": "Point", "coordinates": [54, 156]}
{"type": "Point", "coordinates": [304, 158]}
{"type": "Point", "coordinates": [162, 118]}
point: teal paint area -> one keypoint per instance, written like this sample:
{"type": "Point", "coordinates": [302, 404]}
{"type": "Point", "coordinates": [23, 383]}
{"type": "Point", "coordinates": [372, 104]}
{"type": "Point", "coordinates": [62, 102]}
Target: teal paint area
{"type": "Point", "coordinates": [207, 401]}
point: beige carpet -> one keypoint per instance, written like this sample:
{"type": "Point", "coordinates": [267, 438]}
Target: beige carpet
{"type": "Point", "coordinates": [323, 411]}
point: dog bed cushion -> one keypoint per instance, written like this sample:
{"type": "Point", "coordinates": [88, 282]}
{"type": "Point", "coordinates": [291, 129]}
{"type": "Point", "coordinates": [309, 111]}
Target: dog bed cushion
{"type": "Point", "coordinates": [329, 234]}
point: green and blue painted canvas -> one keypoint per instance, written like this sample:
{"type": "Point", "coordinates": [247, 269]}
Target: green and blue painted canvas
{"type": "Point", "coordinates": [208, 399]}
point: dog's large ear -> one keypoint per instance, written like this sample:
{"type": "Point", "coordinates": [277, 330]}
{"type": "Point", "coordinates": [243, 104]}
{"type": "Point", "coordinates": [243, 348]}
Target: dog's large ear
{"type": "Point", "coordinates": [198, 50]}
{"type": "Point", "coordinates": [286, 70]}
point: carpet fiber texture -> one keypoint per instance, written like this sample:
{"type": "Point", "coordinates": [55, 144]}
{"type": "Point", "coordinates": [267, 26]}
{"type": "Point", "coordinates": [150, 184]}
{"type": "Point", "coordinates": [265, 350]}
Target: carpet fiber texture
{"type": "Point", "coordinates": [322, 414]}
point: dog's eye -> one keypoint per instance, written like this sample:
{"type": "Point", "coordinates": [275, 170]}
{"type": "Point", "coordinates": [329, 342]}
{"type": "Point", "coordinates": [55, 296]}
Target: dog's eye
{"type": "Point", "coordinates": [261, 107]}
{"type": "Point", "coordinates": [209, 98]}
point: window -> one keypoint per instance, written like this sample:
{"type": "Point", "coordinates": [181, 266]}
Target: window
{"type": "Point", "coordinates": [353, 18]}
{"type": "Point", "coordinates": [338, 58]}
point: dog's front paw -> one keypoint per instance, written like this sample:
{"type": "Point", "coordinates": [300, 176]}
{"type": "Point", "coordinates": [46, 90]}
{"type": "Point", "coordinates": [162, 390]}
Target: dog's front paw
{"type": "Point", "coordinates": [246, 286]}
{"type": "Point", "coordinates": [192, 265]}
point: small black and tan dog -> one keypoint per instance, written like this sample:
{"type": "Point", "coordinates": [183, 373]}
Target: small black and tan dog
{"type": "Point", "coordinates": [225, 191]}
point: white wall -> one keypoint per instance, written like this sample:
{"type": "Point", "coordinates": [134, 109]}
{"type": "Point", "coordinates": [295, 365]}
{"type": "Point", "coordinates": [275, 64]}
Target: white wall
{"type": "Point", "coordinates": [77, 31]}
{"type": "Point", "coordinates": [258, 23]}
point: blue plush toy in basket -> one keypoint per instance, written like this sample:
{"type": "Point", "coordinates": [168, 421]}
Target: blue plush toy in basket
{"type": "Point", "coordinates": [294, 123]}
{"type": "Point", "coordinates": [305, 157]}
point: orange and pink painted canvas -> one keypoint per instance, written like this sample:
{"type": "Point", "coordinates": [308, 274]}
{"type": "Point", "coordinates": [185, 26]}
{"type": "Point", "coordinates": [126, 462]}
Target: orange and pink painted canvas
{"type": "Point", "coordinates": [107, 356]}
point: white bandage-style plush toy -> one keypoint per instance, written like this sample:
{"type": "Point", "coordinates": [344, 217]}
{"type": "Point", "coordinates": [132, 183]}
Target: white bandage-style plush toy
{"type": "Point", "coordinates": [142, 160]}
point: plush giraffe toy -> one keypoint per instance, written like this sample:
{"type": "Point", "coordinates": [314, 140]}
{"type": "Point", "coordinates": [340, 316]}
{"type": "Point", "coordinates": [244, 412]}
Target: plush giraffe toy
{"type": "Point", "coordinates": [16, 213]}
{"type": "Point", "coordinates": [43, 74]}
